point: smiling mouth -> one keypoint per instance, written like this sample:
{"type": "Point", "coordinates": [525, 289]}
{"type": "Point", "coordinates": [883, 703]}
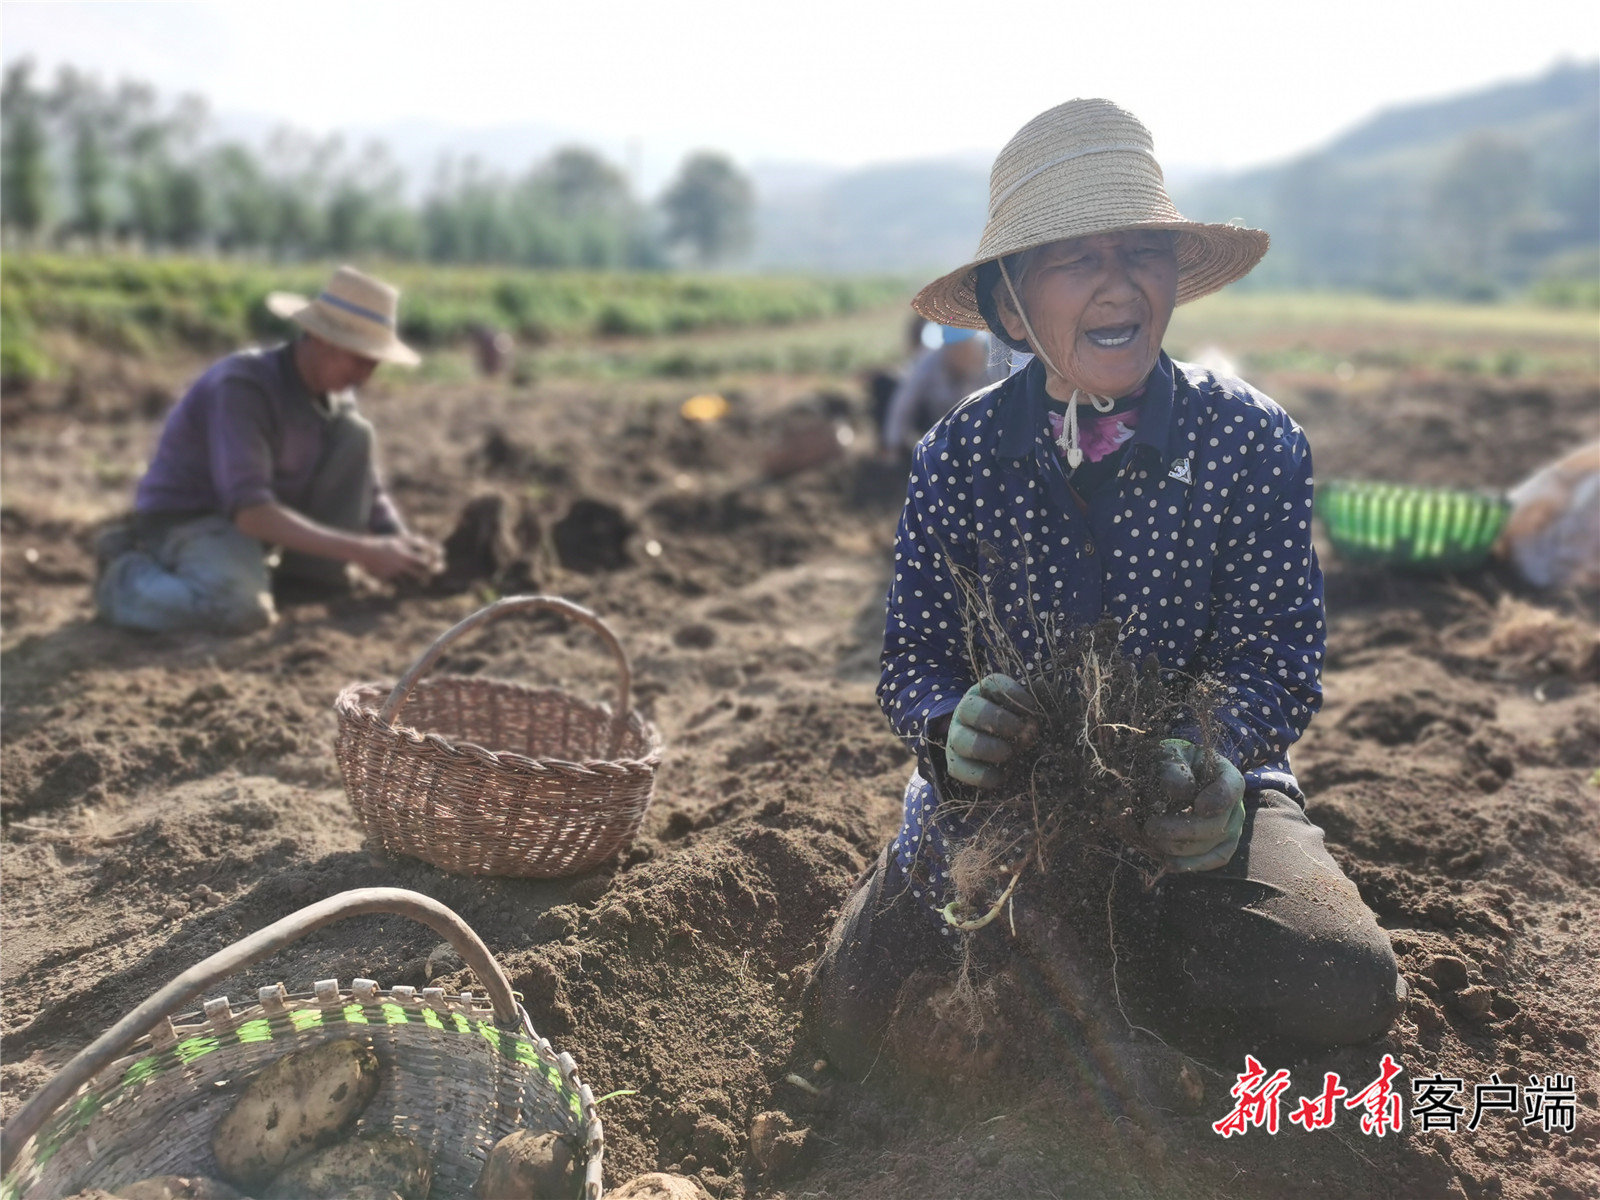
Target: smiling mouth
{"type": "Point", "coordinates": [1112, 337]}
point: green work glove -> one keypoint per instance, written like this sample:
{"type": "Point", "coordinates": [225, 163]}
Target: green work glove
{"type": "Point", "coordinates": [994, 720]}
{"type": "Point", "coordinates": [1204, 837]}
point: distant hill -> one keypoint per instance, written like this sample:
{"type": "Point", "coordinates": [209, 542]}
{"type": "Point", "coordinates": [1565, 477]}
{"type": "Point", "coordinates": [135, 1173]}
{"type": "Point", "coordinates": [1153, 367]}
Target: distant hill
{"type": "Point", "coordinates": [1463, 195]}
{"type": "Point", "coordinates": [894, 218]}
{"type": "Point", "coordinates": [1467, 194]}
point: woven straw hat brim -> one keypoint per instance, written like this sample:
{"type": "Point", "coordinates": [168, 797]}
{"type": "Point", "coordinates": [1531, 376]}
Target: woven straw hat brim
{"type": "Point", "coordinates": [1081, 168]}
{"type": "Point", "coordinates": [1209, 257]}
{"type": "Point", "coordinates": [360, 336]}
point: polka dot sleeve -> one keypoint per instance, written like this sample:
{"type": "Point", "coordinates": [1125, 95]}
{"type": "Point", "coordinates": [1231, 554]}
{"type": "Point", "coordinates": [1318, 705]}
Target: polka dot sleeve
{"type": "Point", "coordinates": [1267, 630]}
{"type": "Point", "coordinates": [925, 668]}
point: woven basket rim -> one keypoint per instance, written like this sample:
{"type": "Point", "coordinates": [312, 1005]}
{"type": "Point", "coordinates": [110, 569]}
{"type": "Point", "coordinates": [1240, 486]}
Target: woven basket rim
{"type": "Point", "coordinates": [219, 1020]}
{"type": "Point", "coordinates": [349, 707]}
{"type": "Point", "coordinates": [474, 1006]}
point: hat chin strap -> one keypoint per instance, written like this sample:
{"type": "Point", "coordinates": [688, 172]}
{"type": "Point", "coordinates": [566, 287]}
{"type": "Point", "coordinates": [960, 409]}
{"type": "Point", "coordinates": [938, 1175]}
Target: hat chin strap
{"type": "Point", "coordinates": [1069, 430]}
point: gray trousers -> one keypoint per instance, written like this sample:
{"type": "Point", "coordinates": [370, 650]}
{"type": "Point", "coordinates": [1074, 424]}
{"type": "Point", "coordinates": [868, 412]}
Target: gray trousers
{"type": "Point", "coordinates": [198, 571]}
{"type": "Point", "coordinates": [1274, 949]}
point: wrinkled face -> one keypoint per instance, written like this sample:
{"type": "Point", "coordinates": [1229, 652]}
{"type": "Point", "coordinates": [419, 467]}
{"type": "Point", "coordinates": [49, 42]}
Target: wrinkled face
{"type": "Point", "coordinates": [330, 368]}
{"type": "Point", "coordinates": [1100, 307]}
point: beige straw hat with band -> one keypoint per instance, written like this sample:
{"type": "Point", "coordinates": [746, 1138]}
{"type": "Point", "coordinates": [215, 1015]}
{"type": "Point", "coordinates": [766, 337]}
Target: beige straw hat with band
{"type": "Point", "coordinates": [1085, 167]}
{"type": "Point", "coordinates": [355, 312]}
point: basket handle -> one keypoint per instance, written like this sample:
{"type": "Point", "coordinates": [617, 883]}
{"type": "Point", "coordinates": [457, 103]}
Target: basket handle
{"type": "Point", "coordinates": [115, 1041]}
{"type": "Point", "coordinates": [503, 608]}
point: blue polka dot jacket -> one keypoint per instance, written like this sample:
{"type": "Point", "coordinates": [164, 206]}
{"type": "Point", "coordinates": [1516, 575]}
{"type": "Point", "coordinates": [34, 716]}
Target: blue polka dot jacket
{"type": "Point", "coordinates": [1199, 543]}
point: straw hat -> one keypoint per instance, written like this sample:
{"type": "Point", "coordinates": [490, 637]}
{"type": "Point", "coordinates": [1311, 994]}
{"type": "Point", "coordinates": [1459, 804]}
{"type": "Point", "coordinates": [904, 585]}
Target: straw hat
{"type": "Point", "coordinates": [1084, 167]}
{"type": "Point", "coordinates": [355, 312]}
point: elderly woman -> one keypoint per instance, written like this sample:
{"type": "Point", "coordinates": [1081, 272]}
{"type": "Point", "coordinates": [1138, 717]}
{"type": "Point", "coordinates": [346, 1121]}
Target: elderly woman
{"type": "Point", "coordinates": [1105, 479]}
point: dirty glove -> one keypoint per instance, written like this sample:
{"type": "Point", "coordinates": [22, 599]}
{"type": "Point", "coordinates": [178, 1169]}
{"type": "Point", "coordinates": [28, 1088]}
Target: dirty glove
{"type": "Point", "coordinates": [1205, 796]}
{"type": "Point", "coordinates": [995, 719]}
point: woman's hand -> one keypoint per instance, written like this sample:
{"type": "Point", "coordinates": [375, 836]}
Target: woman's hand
{"type": "Point", "coordinates": [1205, 836]}
{"type": "Point", "coordinates": [994, 720]}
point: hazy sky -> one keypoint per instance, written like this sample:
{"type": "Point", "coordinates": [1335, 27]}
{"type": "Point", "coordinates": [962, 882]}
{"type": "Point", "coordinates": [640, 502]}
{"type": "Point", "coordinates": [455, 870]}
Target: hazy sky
{"type": "Point", "coordinates": [1221, 84]}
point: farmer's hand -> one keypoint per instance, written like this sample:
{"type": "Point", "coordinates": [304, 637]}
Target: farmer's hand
{"type": "Point", "coordinates": [427, 549]}
{"type": "Point", "coordinates": [1206, 836]}
{"type": "Point", "coordinates": [399, 556]}
{"type": "Point", "coordinates": [994, 720]}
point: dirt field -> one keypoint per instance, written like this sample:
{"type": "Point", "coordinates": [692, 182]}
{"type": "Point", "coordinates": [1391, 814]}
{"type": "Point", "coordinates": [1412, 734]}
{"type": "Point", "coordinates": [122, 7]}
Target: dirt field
{"type": "Point", "coordinates": [163, 796]}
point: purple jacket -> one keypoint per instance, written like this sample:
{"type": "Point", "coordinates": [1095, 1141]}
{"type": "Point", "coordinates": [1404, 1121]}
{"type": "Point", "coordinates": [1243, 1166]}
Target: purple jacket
{"type": "Point", "coordinates": [247, 432]}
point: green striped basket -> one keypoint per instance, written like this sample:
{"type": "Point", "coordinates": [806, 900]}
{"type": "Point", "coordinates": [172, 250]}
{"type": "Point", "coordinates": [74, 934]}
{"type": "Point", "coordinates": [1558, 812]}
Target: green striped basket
{"type": "Point", "coordinates": [1421, 528]}
{"type": "Point", "coordinates": [458, 1073]}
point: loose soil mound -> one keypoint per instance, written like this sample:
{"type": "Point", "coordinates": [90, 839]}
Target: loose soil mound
{"type": "Point", "coordinates": [164, 796]}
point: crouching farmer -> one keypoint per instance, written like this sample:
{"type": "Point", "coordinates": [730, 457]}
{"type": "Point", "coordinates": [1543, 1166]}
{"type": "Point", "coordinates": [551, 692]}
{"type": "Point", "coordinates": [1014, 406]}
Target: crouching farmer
{"type": "Point", "coordinates": [266, 450]}
{"type": "Point", "coordinates": [1108, 481]}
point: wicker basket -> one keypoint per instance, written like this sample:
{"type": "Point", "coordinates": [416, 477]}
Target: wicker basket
{"type": "Point", "coordinates": [494, 778]}
{"type": "Point", "coordinates": [458, 1074]}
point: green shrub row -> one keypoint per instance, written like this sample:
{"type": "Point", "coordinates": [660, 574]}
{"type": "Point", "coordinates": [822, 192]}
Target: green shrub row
{"type": "Point", "coordinates": [139, 305]}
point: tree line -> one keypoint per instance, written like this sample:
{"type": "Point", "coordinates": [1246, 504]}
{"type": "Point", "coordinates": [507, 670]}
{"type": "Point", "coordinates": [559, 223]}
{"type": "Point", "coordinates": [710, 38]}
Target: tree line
{"type": "Point", "coordinates": [84, 162]}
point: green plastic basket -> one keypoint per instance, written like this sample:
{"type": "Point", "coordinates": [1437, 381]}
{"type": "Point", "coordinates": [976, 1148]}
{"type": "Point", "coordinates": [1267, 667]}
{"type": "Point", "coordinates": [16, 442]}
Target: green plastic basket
{"type": "Point", "coordinates": [1421, 528]}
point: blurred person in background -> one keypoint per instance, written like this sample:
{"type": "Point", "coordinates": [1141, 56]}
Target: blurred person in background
{"type": "Point", "coordinates": [492, 349]}
{"type": "Point", "coordinates": [936, 383]}
{"type": "Point", "coordinates": [1104, 480]}
{"type": "Point", "coordinates": [267, 450]}
{"type": "Point", "coordinates": [883, 383]}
